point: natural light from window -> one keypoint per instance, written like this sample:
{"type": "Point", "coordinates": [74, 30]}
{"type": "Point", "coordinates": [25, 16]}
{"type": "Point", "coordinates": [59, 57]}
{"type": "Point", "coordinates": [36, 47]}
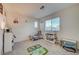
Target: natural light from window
{"type": "Point", "coordinates": [52, 24]}
{"type": "Point", "coordinates": [36, 24]}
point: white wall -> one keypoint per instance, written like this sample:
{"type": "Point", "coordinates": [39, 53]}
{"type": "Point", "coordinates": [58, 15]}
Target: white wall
{"type": "Point", "coordinates": [24, 30]}
{"type": "Point", "coordinates": [69, 22]}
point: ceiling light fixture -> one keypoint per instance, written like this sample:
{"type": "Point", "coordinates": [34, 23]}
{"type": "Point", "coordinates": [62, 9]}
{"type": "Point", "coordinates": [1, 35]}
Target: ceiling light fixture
{"type": "Point", "coordinates": [42, 7]}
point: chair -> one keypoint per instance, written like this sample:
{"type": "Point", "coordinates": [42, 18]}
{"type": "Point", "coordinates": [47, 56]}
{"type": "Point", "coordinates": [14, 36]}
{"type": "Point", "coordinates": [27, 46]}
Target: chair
{"type": "Point", "coordinates": [37, 36]}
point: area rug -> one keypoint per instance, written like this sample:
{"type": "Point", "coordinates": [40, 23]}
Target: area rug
{"type": "Point", "coordinates": [37, 50]}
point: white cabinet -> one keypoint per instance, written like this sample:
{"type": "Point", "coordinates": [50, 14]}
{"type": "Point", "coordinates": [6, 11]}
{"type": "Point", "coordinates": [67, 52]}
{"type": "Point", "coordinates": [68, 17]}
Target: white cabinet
{"type": "Point", "coordinates": [1, 32]}
{"type": "Point", "coordinates": [8, 42]}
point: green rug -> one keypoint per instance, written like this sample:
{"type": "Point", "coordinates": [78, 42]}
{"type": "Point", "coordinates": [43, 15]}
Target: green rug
{"type": "Point", "coordinates": [37, 50]}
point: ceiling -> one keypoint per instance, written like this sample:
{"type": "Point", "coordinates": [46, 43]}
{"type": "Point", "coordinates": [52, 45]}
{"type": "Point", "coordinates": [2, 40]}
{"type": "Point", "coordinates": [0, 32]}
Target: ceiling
{"type": "Point", "coordinates": [33, 9]}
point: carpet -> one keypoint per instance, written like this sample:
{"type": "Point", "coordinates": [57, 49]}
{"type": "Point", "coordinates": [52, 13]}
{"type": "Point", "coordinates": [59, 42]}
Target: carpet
{"type": "Point", "coordinates": [37, 50]}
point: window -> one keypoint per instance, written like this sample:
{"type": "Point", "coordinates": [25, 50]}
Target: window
{"type": "Point", "coordinates": [48, 25]}
{"type": "Point", "coordinates": [56, 24]}
{"type": "Point", "coordinates": [36, 24]}
{"type": "Point", "coordinates": [52, 24]}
